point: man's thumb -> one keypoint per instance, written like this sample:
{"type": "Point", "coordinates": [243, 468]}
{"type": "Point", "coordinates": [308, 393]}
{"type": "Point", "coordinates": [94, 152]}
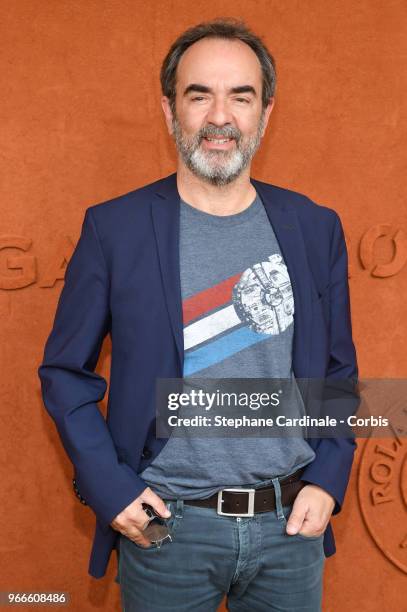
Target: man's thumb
{"type": "Point", "coordinates": [157, 503]}
{"type": "Point", "coordinates": [295, 521]}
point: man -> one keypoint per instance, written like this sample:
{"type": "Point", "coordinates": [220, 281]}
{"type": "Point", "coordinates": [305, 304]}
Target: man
{"type": "Point", "coordinates": [207, 272]}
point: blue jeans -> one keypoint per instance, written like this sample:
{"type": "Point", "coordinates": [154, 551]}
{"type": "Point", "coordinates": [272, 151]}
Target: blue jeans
{"type": "Point", "coordinates": [252, 560]}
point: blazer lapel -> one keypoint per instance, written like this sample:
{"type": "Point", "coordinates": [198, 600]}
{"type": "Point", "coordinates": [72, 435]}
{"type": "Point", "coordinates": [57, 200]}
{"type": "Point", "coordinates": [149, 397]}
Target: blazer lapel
{"type": "Point", "coordinates": [287, 229]}
{"type": "Point", "coordinates": [165, 211]}
{"type": "Point", "coordinates": [286, 226]}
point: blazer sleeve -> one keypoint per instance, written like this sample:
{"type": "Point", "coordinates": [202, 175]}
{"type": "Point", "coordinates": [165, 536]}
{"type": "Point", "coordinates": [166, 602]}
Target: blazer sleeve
{"type": "Point", "coordinates": [71, 389]}
{"type": "Point", "coordinates": [332, 464]}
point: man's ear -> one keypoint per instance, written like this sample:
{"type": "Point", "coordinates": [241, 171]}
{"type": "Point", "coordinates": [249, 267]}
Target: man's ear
{"type": "Point", "coordinates": [165, 103]}
{"type": "Point", "coordinates": [267, 114]}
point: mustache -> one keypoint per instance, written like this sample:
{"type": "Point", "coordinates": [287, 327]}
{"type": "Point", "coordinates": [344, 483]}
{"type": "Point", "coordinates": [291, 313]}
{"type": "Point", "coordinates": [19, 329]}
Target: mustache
{"type": "Point", "coordinates": [225, 132]}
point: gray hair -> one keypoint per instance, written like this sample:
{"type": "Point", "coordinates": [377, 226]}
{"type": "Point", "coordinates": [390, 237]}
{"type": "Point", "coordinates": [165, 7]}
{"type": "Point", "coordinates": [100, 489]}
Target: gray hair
{"type": "Point", "coordinates": [228, 28]}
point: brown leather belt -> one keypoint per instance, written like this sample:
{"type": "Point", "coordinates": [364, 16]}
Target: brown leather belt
{"type": "Point", "coordinates": [247, 502]}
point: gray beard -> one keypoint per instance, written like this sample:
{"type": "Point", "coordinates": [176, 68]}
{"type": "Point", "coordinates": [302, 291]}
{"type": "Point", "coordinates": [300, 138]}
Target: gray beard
{"type": "Point", "coordinates": [217, 167]}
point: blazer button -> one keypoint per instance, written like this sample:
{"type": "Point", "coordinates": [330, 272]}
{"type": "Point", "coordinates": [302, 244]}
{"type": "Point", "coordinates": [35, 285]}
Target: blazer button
{"type": "Point", "coordinates": [146, 454]}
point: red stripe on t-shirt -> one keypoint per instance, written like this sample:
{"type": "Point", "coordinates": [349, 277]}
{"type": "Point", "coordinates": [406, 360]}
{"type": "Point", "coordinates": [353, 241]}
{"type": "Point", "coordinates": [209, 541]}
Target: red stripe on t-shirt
{"type": "Point", "coordinates": [209, 299]}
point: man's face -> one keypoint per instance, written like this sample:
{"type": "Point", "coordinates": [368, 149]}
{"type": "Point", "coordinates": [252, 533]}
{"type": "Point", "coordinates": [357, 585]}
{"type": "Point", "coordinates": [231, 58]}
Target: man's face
{"type": "Point", "coordinates": [219, 120]}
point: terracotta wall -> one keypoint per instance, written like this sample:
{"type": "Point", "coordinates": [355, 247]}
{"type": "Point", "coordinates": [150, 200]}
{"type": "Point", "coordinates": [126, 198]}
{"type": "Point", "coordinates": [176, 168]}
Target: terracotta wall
{"type": "Point", "coordinates": [80, 123]}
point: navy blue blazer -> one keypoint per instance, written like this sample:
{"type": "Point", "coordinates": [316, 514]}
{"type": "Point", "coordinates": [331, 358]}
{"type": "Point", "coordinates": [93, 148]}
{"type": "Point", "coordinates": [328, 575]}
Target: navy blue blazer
{"type": "Point", "coordinates": [123, 280]}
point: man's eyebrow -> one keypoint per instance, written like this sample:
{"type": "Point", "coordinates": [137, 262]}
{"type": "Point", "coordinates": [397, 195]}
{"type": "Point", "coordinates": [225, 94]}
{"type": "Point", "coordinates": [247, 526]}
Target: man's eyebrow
{"type": "Point", "coordinates": [205, 89]}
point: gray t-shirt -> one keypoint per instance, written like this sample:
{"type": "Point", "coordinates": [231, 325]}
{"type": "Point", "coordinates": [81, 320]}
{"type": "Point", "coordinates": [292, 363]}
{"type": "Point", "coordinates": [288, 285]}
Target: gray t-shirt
{"type": "Point", "coordinates": [233, 328]}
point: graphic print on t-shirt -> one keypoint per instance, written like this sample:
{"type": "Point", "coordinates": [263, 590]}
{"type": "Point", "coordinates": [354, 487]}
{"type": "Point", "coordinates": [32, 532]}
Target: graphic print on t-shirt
{"type": "Point", "coordinates": [236, 313]}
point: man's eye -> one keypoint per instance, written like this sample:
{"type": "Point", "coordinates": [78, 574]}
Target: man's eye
{"type": "Point", "coordinates": [198, 98]}
{"type": "Point", "coordinates": [243, 100]}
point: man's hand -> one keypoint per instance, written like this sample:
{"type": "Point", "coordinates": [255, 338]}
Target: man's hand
{"type": "Point", "coordinates": [311, 511]}
{"type": "Point", "coordinates": [133, 519]}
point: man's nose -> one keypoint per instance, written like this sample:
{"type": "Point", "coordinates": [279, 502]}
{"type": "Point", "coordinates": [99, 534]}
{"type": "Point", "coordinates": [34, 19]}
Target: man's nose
{"type": "Point", "coordinates": [219, 113]}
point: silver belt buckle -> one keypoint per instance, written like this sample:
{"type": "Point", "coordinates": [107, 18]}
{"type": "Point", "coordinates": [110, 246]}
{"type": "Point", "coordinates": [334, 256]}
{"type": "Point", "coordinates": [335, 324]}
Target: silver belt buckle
{"type": "Point", "coordinates": [250, 503]}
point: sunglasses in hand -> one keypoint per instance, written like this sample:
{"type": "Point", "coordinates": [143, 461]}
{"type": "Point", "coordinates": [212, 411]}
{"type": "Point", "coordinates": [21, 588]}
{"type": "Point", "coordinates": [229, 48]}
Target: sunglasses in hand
{"type": "Point", "coordinates": [157, 529]}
